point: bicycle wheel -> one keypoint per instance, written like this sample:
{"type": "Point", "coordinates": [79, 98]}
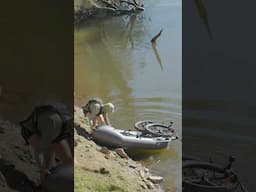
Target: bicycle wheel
{"type": "Point", "coordinates": [159, 129]}
{"type": "Point", "coordinates": [141, 125]}
{"type": "Point", "coordinates": [207, 177]}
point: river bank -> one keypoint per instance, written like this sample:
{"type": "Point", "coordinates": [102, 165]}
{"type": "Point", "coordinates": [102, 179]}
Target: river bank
{"type": "Point", "coordinates": [18, 170]}
{"type": "Point", "coordinates": [100, 169]}
{"type": "Point", "coordinates": [96, 168]}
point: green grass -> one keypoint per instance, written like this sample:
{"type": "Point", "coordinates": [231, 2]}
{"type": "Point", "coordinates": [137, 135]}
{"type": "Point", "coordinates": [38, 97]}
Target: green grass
{"type": "Point", "coordinates": [94, 182]}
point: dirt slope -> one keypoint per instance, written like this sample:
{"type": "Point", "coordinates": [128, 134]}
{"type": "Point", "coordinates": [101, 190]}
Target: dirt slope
{"type": "Point", "coordinates": [100, 169]}
{"type": "Point", "coordinates": [18, 171]}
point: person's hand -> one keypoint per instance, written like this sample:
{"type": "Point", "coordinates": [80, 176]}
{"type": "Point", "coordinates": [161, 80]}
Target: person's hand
{"type": "Point", "coordinates": [43, 175]}
{"type": "Point", "coordinates": [91, 131]}
{"type": "Point", "coordinates": [100, 119]}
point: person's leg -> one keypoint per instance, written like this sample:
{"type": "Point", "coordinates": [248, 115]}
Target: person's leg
{"type": "Point", "coordinates": [63, 151]}
{"type": "Point", "coordinates": [49, 157]}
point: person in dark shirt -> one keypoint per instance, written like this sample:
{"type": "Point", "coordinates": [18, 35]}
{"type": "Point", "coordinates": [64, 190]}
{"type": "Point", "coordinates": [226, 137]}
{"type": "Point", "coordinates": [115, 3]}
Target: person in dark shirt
{"type": "Point", "coordinates": [47, 131]}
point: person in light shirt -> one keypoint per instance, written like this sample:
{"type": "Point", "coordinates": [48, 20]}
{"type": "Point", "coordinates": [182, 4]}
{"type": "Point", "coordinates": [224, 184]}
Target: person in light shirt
{"type": "Point", "coordinates": [97, 112]}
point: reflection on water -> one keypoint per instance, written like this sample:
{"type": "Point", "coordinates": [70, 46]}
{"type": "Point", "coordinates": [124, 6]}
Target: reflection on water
{"type": "Point", "coordinates": [114, 60]}
{"type": "Point", "coordinates": [219, 97]}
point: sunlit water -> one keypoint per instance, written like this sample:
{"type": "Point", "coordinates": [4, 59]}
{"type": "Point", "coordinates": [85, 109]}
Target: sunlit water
{"type": "Point", "coordinates": [114, 60]}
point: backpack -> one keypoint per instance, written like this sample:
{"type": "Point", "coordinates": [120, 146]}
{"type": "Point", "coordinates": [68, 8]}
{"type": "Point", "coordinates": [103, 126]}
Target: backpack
{"type": "Point", "coordinates": [87, 109]}
{"type": "Point", "coordinates": [58, 108]}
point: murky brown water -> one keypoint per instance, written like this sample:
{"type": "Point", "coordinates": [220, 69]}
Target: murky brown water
{"type": "Point", "coordinates": [114, 60]}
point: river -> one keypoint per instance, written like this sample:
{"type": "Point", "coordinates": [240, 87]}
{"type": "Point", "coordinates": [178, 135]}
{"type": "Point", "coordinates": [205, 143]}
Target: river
{"type": "Point", "coordinates": [114, 60]}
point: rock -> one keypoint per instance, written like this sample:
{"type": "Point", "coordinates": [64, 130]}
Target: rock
{"type": "Point", "coordinates": [142, 174]}
{"type": "Point", "coordinates": [104, 171]}
{"type": "Point", "coordinates": [144, 186]}
{"type": "Point", "coordinates": [121, 177]}
{"type": "Point", "coordinates": [150, 185]}
{"type": "Point", "coordinates": [155, 179]}
{"type": "Point", "coordinates": [104, 150]}
{"type": "Point", "coordinates": [132, 165]}
{"type": "Point", "coordinates": [121, 153]}
{"type": "Point", "coordinates": [106, 157]}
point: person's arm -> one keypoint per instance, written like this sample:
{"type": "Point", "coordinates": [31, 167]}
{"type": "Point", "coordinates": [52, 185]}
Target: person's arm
{"type": "Point", "coordinates": [43, 161]}
{"type": "Point", "coordinates": [106, 119]}
{"type": "Point", "coordinates": [101, 120]}
{"type": "Point", "coordinates": [98, 120]}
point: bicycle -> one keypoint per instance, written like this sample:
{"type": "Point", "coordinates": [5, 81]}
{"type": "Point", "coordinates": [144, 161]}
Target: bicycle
{"type": "Point", "coordinates": [155, 128]}
{"type": "Point", "coordinates": [200, 176]}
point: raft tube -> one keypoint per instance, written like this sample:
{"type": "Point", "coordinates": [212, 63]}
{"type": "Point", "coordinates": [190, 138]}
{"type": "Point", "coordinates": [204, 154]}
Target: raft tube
{"type": "Point", "coordinates": [111, 137]}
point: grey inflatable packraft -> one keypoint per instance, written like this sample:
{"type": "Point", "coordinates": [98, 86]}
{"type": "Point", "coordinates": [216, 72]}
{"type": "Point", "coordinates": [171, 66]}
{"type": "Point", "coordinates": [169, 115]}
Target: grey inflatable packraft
{"type": "Point", "coordinates": [111, 137]}
{"type": "Point", "coordinates": [61, 179]}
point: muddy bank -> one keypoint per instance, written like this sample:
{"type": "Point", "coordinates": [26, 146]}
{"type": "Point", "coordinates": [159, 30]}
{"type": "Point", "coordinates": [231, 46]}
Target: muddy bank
{"type": "Point", "coordinates": [100, 169]}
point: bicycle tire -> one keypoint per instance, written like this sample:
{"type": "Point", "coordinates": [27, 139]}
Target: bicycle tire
{"type": "Point", "coordinates": [160, 129]}
{"type": "Point", "coordinates": [141, 125]}
{"type": "Point", "coordinates": [193, 187]}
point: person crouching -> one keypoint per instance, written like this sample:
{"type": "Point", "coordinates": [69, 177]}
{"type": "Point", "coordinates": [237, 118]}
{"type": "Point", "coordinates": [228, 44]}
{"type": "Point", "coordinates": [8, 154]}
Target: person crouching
{"type": "Point", "coordinates": [97, 112]}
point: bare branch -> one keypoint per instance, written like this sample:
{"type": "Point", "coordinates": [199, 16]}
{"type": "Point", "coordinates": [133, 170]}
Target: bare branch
{"type": "Point", "coordinates": [153, 40]}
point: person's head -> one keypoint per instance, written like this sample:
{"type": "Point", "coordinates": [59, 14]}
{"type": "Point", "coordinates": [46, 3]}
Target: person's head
{"type": "Point", "coordinates": [95, 107]}
{"type": "Point", "coordinates": [108, 108]}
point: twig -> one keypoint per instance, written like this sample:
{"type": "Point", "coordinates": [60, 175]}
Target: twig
{"type": "Point", "coordinates": [153, 40]}
{"type": "Point", "coordinates": [109, 4]}
{"type": "Point", "coordinates": [107, 9]}
{"type": "Point", "coordinates": [140, 8]}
